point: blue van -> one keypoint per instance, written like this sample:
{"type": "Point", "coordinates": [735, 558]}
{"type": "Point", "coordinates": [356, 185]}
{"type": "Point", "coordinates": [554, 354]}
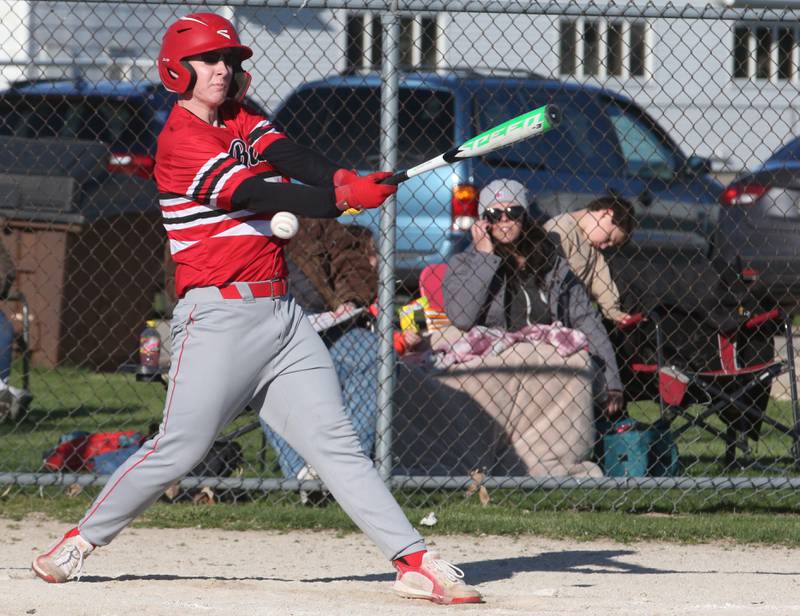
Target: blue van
{"type": "Point", "coordinates": [605, 143]}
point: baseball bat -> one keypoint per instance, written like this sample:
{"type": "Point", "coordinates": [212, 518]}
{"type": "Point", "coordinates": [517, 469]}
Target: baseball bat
{"type": "Point", "coordinates": [529, 124]}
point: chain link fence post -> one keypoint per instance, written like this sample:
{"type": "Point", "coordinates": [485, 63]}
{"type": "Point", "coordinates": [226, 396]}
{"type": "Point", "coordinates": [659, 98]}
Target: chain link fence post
{"type": "Point", "coordinates": [390, 23]}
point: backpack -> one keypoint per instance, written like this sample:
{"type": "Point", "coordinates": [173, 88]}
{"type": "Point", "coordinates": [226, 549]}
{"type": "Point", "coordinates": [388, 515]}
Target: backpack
{"type": "Point", "coordinates": [75, 452]}
{"type": "Point", "coordinates": [222, 460]}
{"type": "Point", "coordinates": [103, 452]}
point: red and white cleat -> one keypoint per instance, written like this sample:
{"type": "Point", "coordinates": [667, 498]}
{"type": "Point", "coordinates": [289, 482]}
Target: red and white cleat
{"type": "Point", "coordinates": [64, 560]}
{"type": "Point", "coordinates": [435, 580]}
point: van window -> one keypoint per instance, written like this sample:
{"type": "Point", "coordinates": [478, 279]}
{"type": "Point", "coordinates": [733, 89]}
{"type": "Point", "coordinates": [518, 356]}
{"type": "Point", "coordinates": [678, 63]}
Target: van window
{"type": "Point", "coordinates": [343, 123]}
{"type": "Point", "coordinates": [644, 150]}
{"type": "Point", "coordinates": [427, 125]}
{"type": "Point", "coordinates": [579, 145]}
{"type": "Point", "coordinates": [115, 122]}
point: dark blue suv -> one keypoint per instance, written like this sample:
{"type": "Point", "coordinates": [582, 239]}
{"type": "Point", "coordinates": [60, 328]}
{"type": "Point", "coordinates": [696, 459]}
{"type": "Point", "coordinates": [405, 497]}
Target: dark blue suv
{"type": "Point", "coordinates": [126, 116]}
{"type": "Point", "coordinates": [102, 134]}
{"type": "Point", "coordinates": [605, 143]}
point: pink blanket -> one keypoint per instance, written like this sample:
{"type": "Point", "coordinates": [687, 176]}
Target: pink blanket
{"type": "Point", "coordinates": [484, 341]}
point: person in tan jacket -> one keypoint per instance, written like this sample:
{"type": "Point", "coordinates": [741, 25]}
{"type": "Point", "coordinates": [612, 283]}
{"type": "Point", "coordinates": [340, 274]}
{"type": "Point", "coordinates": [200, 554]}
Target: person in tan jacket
{"type": "Point", "coordinates": [583, 234]}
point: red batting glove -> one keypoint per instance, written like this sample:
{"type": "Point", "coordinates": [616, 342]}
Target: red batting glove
{"type": "Point", "coordinates": [363, 192]}
{"type": "Point", "coordinates": [343, 177]}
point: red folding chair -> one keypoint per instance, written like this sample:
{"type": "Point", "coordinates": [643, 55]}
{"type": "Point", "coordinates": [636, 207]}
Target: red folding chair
{"type": "Point", "coordinates": [737, 392]}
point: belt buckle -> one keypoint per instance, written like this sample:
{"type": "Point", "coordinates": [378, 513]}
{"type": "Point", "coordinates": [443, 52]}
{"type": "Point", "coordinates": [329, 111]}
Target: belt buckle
{"type": "Point", "coordinates": [277, 287]}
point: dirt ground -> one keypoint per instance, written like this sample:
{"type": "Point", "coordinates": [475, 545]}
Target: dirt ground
{"type": "Point", "coordinates": [150, 572]}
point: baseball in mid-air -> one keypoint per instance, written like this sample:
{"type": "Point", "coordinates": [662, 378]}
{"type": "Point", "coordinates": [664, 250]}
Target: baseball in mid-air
{"type": "Point", "coordinates": [284, 225]}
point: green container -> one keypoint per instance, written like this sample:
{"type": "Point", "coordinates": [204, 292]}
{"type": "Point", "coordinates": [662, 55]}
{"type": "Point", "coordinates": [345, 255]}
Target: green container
{"type": "Point", "coordinates": [640, 451]}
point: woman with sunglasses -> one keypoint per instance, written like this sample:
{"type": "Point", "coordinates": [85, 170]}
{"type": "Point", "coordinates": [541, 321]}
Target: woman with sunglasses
{"type": "Point", "coordinates": [513, 276]}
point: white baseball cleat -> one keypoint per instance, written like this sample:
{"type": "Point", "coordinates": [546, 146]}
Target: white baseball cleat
{"type": "Point", "coordinates": [435, 580]}
{"type": "Point", "coordinates": [64, 560]}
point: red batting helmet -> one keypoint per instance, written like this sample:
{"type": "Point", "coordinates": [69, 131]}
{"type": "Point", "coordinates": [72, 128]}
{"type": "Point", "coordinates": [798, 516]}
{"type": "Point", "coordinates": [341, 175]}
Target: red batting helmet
{"type": "Point", "coordinates": [195, 34]}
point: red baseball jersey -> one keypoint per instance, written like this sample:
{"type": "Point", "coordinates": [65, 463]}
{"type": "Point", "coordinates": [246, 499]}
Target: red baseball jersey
{"type": "Point", "coordinates": [198, 168]}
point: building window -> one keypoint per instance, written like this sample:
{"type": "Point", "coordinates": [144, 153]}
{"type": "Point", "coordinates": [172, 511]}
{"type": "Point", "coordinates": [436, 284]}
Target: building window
{"type": "Point", "coordinates": [741, 52]}
{"type": "Point", "coordinates": [637, 49]}
{"type": "Point", "coordinates": [406, 42]}
{"type": "Point", "coordinates": [591, 48]}
{"type": "Point", "coordinates": [763, 48]}
{"type": "Point", "coordinates": [602, 48]}
{"type": "Point", "coordinates": [428, 37]}
{"type": "Point", "coordinates": [354, 48]}
{"type": "Point", "coordinates": [614, 46]}
{"type": "Point", "coordinates": [786, 44]}
{"type": "Point", "coordinates": [376, 43]}
{"type": "Point", "coordinates": [568, 47]}
{"type": "Point", "coordinates": [763, 52]}
{"type": "Point", "coordinates": [419, 38]}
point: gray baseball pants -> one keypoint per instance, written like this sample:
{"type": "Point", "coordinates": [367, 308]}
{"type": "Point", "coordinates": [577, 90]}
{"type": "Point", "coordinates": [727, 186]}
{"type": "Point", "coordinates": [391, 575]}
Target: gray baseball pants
{"type": "Point", "coordinates": [262, 351]}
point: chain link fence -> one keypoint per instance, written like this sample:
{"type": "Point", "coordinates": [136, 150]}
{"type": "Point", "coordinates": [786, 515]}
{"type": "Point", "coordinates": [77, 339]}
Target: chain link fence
{"type": "Point", "coordinates": [517, 369]}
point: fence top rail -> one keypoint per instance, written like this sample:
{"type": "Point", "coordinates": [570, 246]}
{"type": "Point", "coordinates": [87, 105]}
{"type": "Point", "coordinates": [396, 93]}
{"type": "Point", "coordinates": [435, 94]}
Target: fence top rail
{"type": "Point", "coordinates": [447, 483]}
{"type": "Point", "coordinates": [760, 10]}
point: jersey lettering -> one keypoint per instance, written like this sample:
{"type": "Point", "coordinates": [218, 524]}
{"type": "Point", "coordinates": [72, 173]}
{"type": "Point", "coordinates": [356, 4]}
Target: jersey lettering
{"type": "Point", "coordinates": [246, 155]}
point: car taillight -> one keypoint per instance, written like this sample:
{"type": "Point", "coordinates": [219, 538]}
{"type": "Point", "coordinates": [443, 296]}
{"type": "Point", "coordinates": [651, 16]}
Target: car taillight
{"type": "Point", "coordinates": [742, 194]}
{"type": "Point", "coordinates": [464, 206]}
{"type": "Point", "coordinates": [140, 165]}
{"type": "Point", "coordinates": [749, 274]}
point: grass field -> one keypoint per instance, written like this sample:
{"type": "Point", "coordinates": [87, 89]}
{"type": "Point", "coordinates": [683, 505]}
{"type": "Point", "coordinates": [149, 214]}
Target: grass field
{"type": "Point", "coordinates": [66, 400]}
{"type": "Point", "coordinates": [718, 518]}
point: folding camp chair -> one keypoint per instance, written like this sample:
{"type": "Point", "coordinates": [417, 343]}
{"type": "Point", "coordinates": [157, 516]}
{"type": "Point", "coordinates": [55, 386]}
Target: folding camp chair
{"type": "Point", "coordinates": [736, 390]}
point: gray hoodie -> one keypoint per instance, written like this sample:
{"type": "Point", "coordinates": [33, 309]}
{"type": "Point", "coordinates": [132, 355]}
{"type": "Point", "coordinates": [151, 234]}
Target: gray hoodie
{"type": "Point", "coordinates": [474, 292]}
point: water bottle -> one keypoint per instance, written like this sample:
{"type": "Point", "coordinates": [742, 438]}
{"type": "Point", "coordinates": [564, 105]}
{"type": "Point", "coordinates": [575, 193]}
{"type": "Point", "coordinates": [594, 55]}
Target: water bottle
{"type": "Point", "coordinates": [149, 349]}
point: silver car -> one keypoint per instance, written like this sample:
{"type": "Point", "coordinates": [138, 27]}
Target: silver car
{"type": "Point", "coordinates": [760, 225]}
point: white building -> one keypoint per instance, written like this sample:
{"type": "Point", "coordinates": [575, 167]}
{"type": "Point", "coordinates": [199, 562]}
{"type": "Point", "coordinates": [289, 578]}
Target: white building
{"type": "Point", "coordinates": [722, 89]}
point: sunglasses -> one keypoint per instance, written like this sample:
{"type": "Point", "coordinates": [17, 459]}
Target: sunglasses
{"type": "Point", "coordinates": [213, 57]}
{"type": "Point", "coordinates": [514, 212]}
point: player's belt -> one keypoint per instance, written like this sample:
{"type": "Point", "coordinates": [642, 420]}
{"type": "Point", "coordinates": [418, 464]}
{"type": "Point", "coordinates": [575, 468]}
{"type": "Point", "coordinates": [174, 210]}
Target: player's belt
{"type": "Point", "coordinates": [266, 288]}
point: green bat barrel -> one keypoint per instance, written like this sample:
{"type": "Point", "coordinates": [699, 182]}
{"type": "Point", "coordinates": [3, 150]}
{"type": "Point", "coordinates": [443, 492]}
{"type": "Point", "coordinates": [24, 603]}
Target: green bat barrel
{"type": "Point", "coordinates": [530, 124]}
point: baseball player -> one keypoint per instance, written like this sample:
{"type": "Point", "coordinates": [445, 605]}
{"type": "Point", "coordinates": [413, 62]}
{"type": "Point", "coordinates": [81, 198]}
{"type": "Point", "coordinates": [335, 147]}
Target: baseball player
{"type": "Point", "coordinates": [237, 337]}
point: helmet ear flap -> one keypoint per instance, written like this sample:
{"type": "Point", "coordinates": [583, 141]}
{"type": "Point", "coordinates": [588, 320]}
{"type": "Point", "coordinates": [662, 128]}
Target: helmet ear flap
{"type": "Point", "coordinates": [192, 75]}
{"type": "Point", "coordinates": [239, 84]}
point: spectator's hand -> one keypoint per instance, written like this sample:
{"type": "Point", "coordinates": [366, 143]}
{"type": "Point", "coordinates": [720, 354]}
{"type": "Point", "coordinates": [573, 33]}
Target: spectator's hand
{"type": "Point", "coordinates": [614, 403]}
{"type": "Point", "coordinates": [361, 192]}
{"type": "Point", "coordinates": [411, 346]}
{"type": "Point", "coordinates": [411, 339]}
{"type": "Point", "coordinates": [481, 236]}
{"type": "Point", "coordinates": [343, 308]}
